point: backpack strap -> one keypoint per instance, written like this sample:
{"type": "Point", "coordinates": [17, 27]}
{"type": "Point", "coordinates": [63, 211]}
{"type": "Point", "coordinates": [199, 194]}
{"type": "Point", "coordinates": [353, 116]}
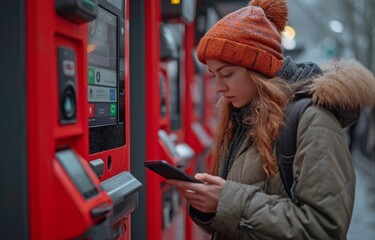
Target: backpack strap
{"type": "Point", "coordinates": [287, 143]}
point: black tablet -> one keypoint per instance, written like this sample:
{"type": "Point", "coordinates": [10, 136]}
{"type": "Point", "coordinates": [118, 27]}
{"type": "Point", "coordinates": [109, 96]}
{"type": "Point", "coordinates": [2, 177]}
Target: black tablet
{"type": "Point", "coordinates": [168, 171]}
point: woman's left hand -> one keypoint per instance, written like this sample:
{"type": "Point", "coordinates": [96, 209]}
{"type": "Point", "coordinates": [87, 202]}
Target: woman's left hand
{"type": "Point", "coordinates": [204, 197]}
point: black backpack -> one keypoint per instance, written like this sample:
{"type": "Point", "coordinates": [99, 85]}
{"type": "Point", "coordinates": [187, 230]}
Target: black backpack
{"type": "Point", "coordinates": [286, 143]}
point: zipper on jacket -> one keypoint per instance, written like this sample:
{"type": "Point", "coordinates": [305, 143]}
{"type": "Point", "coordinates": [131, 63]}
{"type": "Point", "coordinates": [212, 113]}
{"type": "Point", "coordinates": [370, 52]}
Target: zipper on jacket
{"type": "Point", "coordinates": [293, 194]}
{"type": "Point", "coordinates": [244, 228]}
{"type": "Point", "coordinates": [266, 185]}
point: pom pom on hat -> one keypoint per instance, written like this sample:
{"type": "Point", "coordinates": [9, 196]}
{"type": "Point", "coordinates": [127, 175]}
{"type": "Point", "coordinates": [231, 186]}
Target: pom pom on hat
{"type": "Point", "coordinates": [276, 11]}
{"type": "Point", "coordinates": [248, 37]}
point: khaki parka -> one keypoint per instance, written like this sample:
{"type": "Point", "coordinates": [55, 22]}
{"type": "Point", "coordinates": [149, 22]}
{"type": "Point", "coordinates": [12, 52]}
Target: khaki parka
{"type": "Point", "coordinates": [252, 206]}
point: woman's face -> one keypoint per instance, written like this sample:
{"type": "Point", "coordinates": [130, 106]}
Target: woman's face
{"type": "Point", "coordinates": [233, 82]}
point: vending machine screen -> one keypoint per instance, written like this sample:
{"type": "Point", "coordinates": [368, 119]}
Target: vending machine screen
{"type": "Point", "coordinates": [106, 77]}
{"type": "Point", "coordinates": [102, 70]}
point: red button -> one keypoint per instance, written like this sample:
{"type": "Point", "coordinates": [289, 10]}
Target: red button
{"type": "Point", "coordinates": [91, 110]}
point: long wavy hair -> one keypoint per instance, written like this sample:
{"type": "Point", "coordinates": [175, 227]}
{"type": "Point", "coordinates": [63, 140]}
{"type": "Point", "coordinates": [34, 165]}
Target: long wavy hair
{"type": "Point", "coordinates": [266, 115]}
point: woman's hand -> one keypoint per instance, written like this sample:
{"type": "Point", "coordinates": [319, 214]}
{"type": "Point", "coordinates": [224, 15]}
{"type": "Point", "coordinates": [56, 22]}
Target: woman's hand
{"type": "Point", "coordinates": [204, 197]}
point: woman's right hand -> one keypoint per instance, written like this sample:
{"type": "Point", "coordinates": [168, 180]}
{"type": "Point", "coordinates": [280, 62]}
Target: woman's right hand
{"type": "Point", "coordinates": [203, 197]}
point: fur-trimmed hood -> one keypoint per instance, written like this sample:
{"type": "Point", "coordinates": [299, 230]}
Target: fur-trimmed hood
{"type": "Point", "coordinates": [344, 86]}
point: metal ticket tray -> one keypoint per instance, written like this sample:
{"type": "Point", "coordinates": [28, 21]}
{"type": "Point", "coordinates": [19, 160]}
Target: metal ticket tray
{"type": "Point", "coordinates": [123, 190]}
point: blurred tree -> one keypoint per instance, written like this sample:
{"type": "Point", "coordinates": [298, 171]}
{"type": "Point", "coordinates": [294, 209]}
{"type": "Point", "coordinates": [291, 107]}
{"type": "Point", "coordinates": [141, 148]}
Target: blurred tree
{"type": "Point", "coordinates": [361, 26]}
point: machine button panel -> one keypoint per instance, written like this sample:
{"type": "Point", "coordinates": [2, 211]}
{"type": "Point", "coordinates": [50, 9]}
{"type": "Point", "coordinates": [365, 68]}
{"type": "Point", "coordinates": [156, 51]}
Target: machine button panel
{"type": "Point", "coordinates": [67, 78]}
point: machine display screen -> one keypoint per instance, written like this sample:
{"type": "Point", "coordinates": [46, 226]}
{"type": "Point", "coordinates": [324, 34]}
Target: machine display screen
{"type": "Point", "coordinates": [77, 173]}
{"type": "Point", "coordinates": [102, 70]}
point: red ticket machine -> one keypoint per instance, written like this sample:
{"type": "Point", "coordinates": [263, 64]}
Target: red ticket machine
{"type": "Point", "coordinates": [77, 179]}
{"type": "Point", "coordinates": [165, 76]}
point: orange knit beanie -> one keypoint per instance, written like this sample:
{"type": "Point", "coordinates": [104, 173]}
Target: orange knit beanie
{"type": "Point", "coordinates": [248, 37]}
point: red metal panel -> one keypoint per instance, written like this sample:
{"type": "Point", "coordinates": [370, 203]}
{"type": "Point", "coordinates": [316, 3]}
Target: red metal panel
{"type": "Point", "coordinates": [154, 193]}
{"type": "Point", "coordinates": [57, 210]}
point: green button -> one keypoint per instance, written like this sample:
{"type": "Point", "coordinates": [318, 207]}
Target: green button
{"type": "Point", "coordinates": [91, 74]}
{"type": "Point", "coordinates": [88, 4]}
{"type": "Point", "coordinates": [112, 110]}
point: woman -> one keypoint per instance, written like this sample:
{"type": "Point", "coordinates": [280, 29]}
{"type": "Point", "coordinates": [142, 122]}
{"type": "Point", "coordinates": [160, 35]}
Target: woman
{"type": "Point", "coordinates": [243, 196]}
